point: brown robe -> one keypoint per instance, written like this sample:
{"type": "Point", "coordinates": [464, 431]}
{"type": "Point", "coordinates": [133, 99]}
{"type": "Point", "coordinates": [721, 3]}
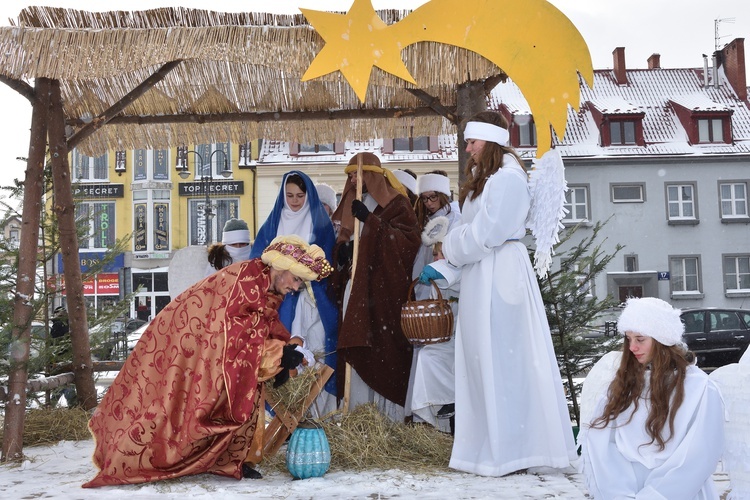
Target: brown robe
{"type": "Point", "coordinates": [187, 399]}
{"type": "Point", "coordinates": [370, 335]}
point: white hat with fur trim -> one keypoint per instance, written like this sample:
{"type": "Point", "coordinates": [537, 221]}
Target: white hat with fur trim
{"type": "Point", "coordinates": [653, 318]}
{"type": "Point", "coordinates": [406, 179]}
{"type": "Point", "coordinates": [434, 182]}
{"type": "Point", "coordinates": [327, 195]}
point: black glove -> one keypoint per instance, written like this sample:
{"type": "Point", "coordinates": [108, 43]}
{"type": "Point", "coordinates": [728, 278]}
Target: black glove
{"type": "Point", "coordinates": [291, 358]}
{"type": "Point", "coordinates": [359, 210]}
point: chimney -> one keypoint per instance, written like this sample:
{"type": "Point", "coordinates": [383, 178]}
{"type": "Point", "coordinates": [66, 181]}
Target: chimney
{"type": "Point", "coordinates": [705, 70]}
{"type": "Point", "coordinates": [619, 61]}
{"type": "Point", "coordinates": [654, 62]}
{"type": "Point", "coordinates": [733, 58]}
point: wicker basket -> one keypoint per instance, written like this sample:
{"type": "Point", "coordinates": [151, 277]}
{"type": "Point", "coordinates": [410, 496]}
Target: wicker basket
{"type": "Point", "coordinates": [426, 321]}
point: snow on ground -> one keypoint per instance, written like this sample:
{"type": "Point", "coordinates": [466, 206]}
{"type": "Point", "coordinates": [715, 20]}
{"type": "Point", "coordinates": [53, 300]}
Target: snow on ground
{"type": "Point", "coordinates": [57, 472]}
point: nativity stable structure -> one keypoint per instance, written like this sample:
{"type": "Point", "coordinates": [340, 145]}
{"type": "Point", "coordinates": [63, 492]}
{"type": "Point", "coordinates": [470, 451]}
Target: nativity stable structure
{"type": "Point", "coordinates": [167, 78]}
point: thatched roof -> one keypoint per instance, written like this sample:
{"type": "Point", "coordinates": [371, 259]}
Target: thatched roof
{"type": "Point", "coordinates": [220, 76]}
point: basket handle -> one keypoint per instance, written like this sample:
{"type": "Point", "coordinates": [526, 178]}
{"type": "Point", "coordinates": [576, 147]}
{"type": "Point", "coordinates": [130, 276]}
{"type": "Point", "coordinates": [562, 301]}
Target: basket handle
{"type": "Point", "coordinates": [410, 295]}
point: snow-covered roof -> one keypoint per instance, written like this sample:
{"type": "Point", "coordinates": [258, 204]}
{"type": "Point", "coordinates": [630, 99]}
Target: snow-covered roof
{"type": "Point", "coordinates": [652, 93]}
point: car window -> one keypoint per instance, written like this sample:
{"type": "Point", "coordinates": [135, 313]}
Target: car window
{"type": "Point", "coordinates": [724, 320]}
{"type": "Point", "coordinates": [746, 319]}
{"type": "Point", "coordinates": [694, 321]}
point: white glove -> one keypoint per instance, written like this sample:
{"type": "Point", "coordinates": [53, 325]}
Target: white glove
{"type": "Point", "coordinates": [309, 357]}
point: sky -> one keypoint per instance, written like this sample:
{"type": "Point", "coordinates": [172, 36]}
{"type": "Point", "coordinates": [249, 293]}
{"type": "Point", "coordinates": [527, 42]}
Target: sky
{"type": "Point", "coordinates": [680, 30]}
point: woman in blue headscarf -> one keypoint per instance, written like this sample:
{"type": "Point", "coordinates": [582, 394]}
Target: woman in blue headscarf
{"type": "Point", "coordinates": [298, 210]}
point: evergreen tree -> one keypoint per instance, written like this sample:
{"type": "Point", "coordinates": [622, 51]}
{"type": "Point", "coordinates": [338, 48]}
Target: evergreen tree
{"type": "Point", "coordinates": [573, 309]}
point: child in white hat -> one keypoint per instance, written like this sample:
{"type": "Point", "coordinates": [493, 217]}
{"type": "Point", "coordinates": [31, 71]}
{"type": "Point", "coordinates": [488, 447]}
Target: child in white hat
{"type": "Point", "coordinates": [234, 247]}
{"type": "Point", "coordinates": [659, 431]}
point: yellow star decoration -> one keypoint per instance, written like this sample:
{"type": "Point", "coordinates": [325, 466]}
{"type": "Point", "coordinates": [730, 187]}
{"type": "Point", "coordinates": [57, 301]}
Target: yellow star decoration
{"type": "Point", "coordinates": [355, 42]}
{"type": "Point", "coordinates": [531, 40]}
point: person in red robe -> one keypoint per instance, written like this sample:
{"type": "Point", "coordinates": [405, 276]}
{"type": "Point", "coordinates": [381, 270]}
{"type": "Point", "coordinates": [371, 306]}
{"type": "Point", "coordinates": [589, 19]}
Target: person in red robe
{"type": "Point", "coordinates": [187, 399]}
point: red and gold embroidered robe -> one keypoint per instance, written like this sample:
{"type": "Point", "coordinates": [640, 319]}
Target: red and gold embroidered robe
{"type": "Point", "coordinates": [187, 399]}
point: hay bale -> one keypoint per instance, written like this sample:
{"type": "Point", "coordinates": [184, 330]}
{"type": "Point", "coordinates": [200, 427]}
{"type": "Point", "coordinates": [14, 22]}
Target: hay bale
{"type": "Point", "coordinates": [364, 439]}
{"type": "Point", "coordinates": [48, 426]}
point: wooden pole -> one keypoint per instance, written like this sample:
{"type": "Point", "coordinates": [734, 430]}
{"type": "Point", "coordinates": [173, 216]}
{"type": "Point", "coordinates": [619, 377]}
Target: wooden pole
{"type": "Point", "coordinates": [355, 255]}
{"type": "Point", "coordinates": [64, 207]}
{"type": "Point", "coordinates": [33, 192]}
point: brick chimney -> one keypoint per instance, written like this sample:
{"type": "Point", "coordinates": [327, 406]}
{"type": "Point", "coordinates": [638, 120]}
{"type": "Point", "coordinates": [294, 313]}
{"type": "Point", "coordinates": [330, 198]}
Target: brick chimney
{"type": "Point", "coordinates": [654, 62]}
{"type": "Point", "coordinates": [619, 61]}
{"type": "Point", "coordinates": [733, 57]}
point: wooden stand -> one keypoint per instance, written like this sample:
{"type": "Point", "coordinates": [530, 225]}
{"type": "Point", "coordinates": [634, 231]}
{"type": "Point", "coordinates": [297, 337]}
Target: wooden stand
{"type": "Point", "coordinates": [284, 423]}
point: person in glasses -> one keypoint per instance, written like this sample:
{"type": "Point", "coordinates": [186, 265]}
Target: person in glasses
{"type": "Point", "coordinates": [234, 247]}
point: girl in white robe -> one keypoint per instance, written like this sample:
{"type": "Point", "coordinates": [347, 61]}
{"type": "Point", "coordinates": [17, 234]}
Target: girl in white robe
{"type": "Point", "coordinates": [622, 457]}
{"type": "Point", "coordinates": [511, 411]}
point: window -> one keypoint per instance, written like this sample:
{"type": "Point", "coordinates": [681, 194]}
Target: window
{"type": "Point", "coordinates": [316, 148]}
{"type": "Point", "coordinates": [88, 169]}
{"type": "Point", "coordinates": [150, 164]}
{"type": "Point", "coordinates": [681, 202]}
{"type": "Point", "coordinates": [684, 275]}
{"type": "Point", "coordinates": [710, 130]}
{"type": "Point", "coordinates": [222, 209]}
{"type": "Point", "coordinates": [97, 223]}
{"type": "Point", "coordinates": [585, 285]}
{"type": "Point", "coordinates": [420, 143]}
{"type": "Point", "coordinates": [631, 263]}
{"type": "Point", "coordinates": [527, 134]}
{"type": "Point", "coordinates": [151, 218]}
{"type": "Point", "coordinates": [621, 132]}
{"type": "Point", "coordinates": [577, 203]}
{"type": "Point", "coordinates": [214, 158]}
{"type": "Point", "coordinates": [733, 196]}
{"type": "Point", "coordinates": [627, 193]}
{"type": "Point", "coordinates": [737, 273]}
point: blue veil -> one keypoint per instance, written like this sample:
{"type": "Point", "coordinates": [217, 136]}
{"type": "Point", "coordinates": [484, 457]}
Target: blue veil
{"type": "Point", "coordinates": [323, 236]}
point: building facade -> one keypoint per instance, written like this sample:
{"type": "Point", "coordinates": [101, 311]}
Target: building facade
{"type": "Point", "coordinates": [662, 154]}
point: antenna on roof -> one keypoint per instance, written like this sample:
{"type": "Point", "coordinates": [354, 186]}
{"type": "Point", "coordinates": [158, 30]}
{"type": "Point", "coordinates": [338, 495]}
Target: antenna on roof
{"type": "Point", "coordinates": [717, 37]}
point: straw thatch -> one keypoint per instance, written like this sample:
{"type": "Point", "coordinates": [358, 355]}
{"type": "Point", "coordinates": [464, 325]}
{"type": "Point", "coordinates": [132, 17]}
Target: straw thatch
{"type": "Point", "coordinates": [365, 439]}
{"type": "Point", "coordinates": [237, 78]}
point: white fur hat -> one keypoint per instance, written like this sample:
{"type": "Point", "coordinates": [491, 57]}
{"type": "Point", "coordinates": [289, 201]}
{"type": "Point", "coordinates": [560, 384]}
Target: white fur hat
{"type": "Point", "coordinates": [327, 195]}
{"type": "Point", "coordinates": [407, 180]}
{"type": "Point", "coordinates": [434, 182]}
{"type": "Point", "coordinates": [653, 318]}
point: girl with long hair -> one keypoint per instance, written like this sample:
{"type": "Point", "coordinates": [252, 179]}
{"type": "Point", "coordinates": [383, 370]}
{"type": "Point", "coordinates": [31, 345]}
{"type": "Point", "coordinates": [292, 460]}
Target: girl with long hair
{"type": "Point", "coordinates": [659, 430]}
{"type": "Point", "coordinates": [511, 411]}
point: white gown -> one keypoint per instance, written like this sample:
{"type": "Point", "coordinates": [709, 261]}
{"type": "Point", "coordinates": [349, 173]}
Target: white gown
{"type": "Point", "coordinates": [511, 411]}
{"type": "Point", "coordinates": [433, 369]}
{"type": "Point", "coordinates": [308, 326]}
{"type": "Point", "coordinates": [618, 464]}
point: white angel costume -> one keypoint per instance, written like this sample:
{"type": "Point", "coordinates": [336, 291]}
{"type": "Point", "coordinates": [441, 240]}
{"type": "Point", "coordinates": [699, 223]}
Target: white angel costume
{"type": "Point", "coordinates": [619, 462]}
{"type": "Point", "coordinates": [511, 411]}
{"type": "Point", "coordinates": [433, 370]}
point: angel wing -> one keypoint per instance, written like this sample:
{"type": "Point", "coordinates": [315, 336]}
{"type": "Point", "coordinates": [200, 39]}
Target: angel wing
{"type": "Point", "coordinates": [733, 381]}
{"type": "Point", "coordinates": [187, 267]}
{"type": "Point", "coordinates": [548, 187]}
{"type": "Point", "coordinates": [596, 384]}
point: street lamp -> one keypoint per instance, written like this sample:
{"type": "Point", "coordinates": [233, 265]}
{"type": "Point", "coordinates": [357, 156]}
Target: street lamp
{"type": "Point", "coordinates": [206, 181]}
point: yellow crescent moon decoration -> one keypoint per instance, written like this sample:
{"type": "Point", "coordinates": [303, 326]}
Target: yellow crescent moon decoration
{"type": "Point", "coordinates": [531, 40]}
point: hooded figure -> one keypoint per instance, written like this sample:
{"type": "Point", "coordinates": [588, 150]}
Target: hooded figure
{"type": "Point", "coordinates": [370, 335]}
{"type": "Point", "coordinates": [312, 223]}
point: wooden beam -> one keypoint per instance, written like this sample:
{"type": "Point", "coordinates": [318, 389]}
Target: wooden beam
{"type": "Point", "coordinates": [21, 87]}
{"type": "Point", "coordinates": [64, 208]}
{"type": "Point", "coordinates": [23, 311]}
{"type": "Point", "coordinates": [272, 116]}
{"type": "Point", "coordinates": [115, 109]}
{"type": "Point", "coordinates": [434, 103]}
